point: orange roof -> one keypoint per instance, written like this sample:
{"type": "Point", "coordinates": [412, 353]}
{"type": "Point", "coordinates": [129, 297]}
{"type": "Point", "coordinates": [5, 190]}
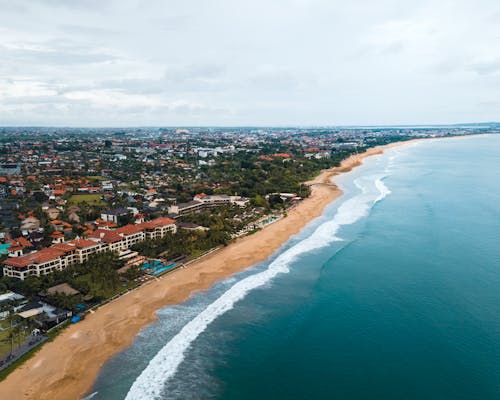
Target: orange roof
{"type": "Point", "coordinates": [128, 229]}
{"type": "Point", "coordinates": [82, 243]}
{"type": "Point", "coordinates": [38, 257]}
{"type": "Point", "coordinates": [23, 242]}
{"type": "Point", "coordinates": [156, 223]}
{"type": "Point", "coordinates": [108, 224]}
{"type": "Point", "coordinates": [63, 247]}
{"type": "Point", "coordinates": [282, 155]}
{"type": "Point", "coordinates": [106, 235]}
{"type": "Point", "coordinates": [59, 192]}
{"type": "Point", "coordinates": [63, 223]}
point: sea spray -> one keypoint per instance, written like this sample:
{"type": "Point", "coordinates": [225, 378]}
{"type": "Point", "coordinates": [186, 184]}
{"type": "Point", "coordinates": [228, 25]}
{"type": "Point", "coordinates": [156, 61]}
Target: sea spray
{"type": "Point", "coordinates": [150, 383]}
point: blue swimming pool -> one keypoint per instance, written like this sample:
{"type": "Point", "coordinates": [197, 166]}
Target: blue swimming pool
{"type": "Point", "coordinates": [156, 267]}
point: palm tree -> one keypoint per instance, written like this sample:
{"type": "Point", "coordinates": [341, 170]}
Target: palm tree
{"type": "Point", "coordinates": [16, 333]}
{"type": "Point", "coordinates": [8, 306]}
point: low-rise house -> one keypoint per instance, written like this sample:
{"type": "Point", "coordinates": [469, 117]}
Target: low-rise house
{"type": "Point", "coordinates": [114, 215]}
{"type": "Point", "coordinates": [57, 237]}
{"type": "Point", "coordinates": [30, 224]}
{"type": "Point", "coordinates": [61, 226]}
{"type": "Point", "coordinates": [45, 315]}
{"type": "Point", "coordinates": [18, 246]}
{"type": "Point", "coordinates": [63, 288]}
{"type": "Point", "coordinates": [53, 212]}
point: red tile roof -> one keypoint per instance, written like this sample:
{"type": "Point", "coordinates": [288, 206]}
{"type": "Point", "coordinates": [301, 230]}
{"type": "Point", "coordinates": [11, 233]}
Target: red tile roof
{"type": "Point", "coordinates": [19, 242]}
{"type": "Point", "coordinates": [106, 235]}
{"type": "Point", "coordinates": [156, 223]}
{"type": "Point", "coordinates": [63, 247]}
{"type": "Point", "coordinates": [24, 242]}
{"type": "Point", "coordinates": [41, 256]}
{"type": "Point", "coordinates": [83, 243]}
{"type": "Point", "coordinates": [128, 230]}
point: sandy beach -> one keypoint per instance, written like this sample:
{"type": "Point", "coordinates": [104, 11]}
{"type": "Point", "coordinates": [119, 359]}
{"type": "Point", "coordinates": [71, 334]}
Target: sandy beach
{"type": "Point", "coordinates": [67, 367]}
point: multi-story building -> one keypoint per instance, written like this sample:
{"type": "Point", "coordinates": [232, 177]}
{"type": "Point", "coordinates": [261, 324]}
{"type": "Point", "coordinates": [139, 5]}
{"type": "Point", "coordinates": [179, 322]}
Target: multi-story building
{"type": "Point", "coordinates": [203, 201]}
{"type": "Point", "coordinates": [61, 255]}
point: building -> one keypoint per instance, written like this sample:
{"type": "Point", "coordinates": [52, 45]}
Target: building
{"type": "Point", "coordinates": [202, 201]}
{"type": "Point", "coordinates": [186, 208]}
{"type": "Point", "coordinates": [61, 255]}
{"type": "Point", "coordinates": [10, 169]}
{"type": "Point", "coordinates": [114, 215]}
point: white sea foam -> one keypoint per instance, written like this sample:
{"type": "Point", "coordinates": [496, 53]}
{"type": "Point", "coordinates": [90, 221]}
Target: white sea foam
{"type": "Point", "coordinates": [150, 383]}
{"type": "Point", "coordinates": [384, 190]}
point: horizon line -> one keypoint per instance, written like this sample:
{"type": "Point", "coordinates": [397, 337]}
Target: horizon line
{"type": "Point", "coordinates": [326, 126]}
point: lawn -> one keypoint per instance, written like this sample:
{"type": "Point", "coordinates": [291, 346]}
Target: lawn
{"type": "Point", "coordinates": [92, 199]}
{"type": "Point", "coordinates": [5, 341]}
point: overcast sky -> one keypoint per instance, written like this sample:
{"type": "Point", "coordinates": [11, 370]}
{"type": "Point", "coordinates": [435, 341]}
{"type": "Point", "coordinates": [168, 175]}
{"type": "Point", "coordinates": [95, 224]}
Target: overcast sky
{"type": "Point", "coordinates": [251, 62]}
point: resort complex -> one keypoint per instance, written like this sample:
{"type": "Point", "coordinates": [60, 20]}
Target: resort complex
{"type": "Point", "coordinates": [61, 255]}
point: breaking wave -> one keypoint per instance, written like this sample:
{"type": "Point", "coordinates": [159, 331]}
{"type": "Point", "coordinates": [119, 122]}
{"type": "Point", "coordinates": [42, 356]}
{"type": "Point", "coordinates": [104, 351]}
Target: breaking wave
{"type": "Point", "coordinates": [150, 383]}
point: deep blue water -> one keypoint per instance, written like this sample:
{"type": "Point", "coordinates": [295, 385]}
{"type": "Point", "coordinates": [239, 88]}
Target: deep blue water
{"type": "Point", "coordinates": [386, 296]}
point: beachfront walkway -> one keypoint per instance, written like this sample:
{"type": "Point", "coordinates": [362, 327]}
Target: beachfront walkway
{"type": "Point", "coordinates": [29, 344]}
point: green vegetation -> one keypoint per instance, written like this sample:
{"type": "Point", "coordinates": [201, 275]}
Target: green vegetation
{"type": "Point", "coordinates": [14, 330]}
{"type": "Point", "coordinates": [12, 337]}
{"type": "Point", "coordinates": [183, 243]}
{"type": "Point", "coordinates": [92, 199]}
{"type": "Point", "coordinates": [25, 357]}
{"type": "Point", "coordinates": [96, 280]}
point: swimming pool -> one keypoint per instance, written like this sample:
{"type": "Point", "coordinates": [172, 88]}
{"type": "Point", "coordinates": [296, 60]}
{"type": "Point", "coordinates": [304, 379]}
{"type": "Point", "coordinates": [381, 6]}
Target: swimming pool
{"type": "Point", "coordinates": [156, 267]}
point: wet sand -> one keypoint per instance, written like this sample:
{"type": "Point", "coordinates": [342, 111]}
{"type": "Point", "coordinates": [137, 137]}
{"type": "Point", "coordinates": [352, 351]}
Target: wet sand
{"type": "Point", "coordinates": [67, 367]}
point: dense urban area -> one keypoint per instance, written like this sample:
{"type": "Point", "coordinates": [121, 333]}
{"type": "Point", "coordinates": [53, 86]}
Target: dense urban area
{"type": "Point", "coordinates": [88, 214]}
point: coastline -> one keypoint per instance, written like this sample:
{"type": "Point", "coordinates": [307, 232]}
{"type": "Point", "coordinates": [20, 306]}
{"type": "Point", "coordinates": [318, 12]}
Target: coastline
{"type": "Point", "coordinates": [67, 367]}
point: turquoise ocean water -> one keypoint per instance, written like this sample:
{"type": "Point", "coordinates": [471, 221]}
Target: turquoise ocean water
{"type": "Point", "coordinates": [394, 293]}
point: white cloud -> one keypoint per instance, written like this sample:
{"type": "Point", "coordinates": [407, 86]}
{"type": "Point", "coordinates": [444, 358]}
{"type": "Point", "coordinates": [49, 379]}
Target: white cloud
{"type": "Point", "coordinates": [133, 62]}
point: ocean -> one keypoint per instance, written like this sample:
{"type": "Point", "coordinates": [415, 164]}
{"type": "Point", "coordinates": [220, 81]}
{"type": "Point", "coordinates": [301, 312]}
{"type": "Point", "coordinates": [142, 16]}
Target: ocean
{"type": "Point", "coordinates": [393, 293]}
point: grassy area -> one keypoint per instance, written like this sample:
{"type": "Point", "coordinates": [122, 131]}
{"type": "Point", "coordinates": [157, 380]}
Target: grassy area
{"type": "Point", "coordinates": [97, 177]}
{"type": "Point", "coordinates": [52, 335]}
{"type": "Point", "coordinates": [92, 199]}
{"type": "Point", "coordinates": [5, 341]}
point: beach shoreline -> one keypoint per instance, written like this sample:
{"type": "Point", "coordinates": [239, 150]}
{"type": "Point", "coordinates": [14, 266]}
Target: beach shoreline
{"type": "Point", "coordinates": [67, 367]}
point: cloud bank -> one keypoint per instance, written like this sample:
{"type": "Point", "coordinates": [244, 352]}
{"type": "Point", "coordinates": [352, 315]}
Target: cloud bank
{"type": "Point", "coordinates": [232, 62]}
